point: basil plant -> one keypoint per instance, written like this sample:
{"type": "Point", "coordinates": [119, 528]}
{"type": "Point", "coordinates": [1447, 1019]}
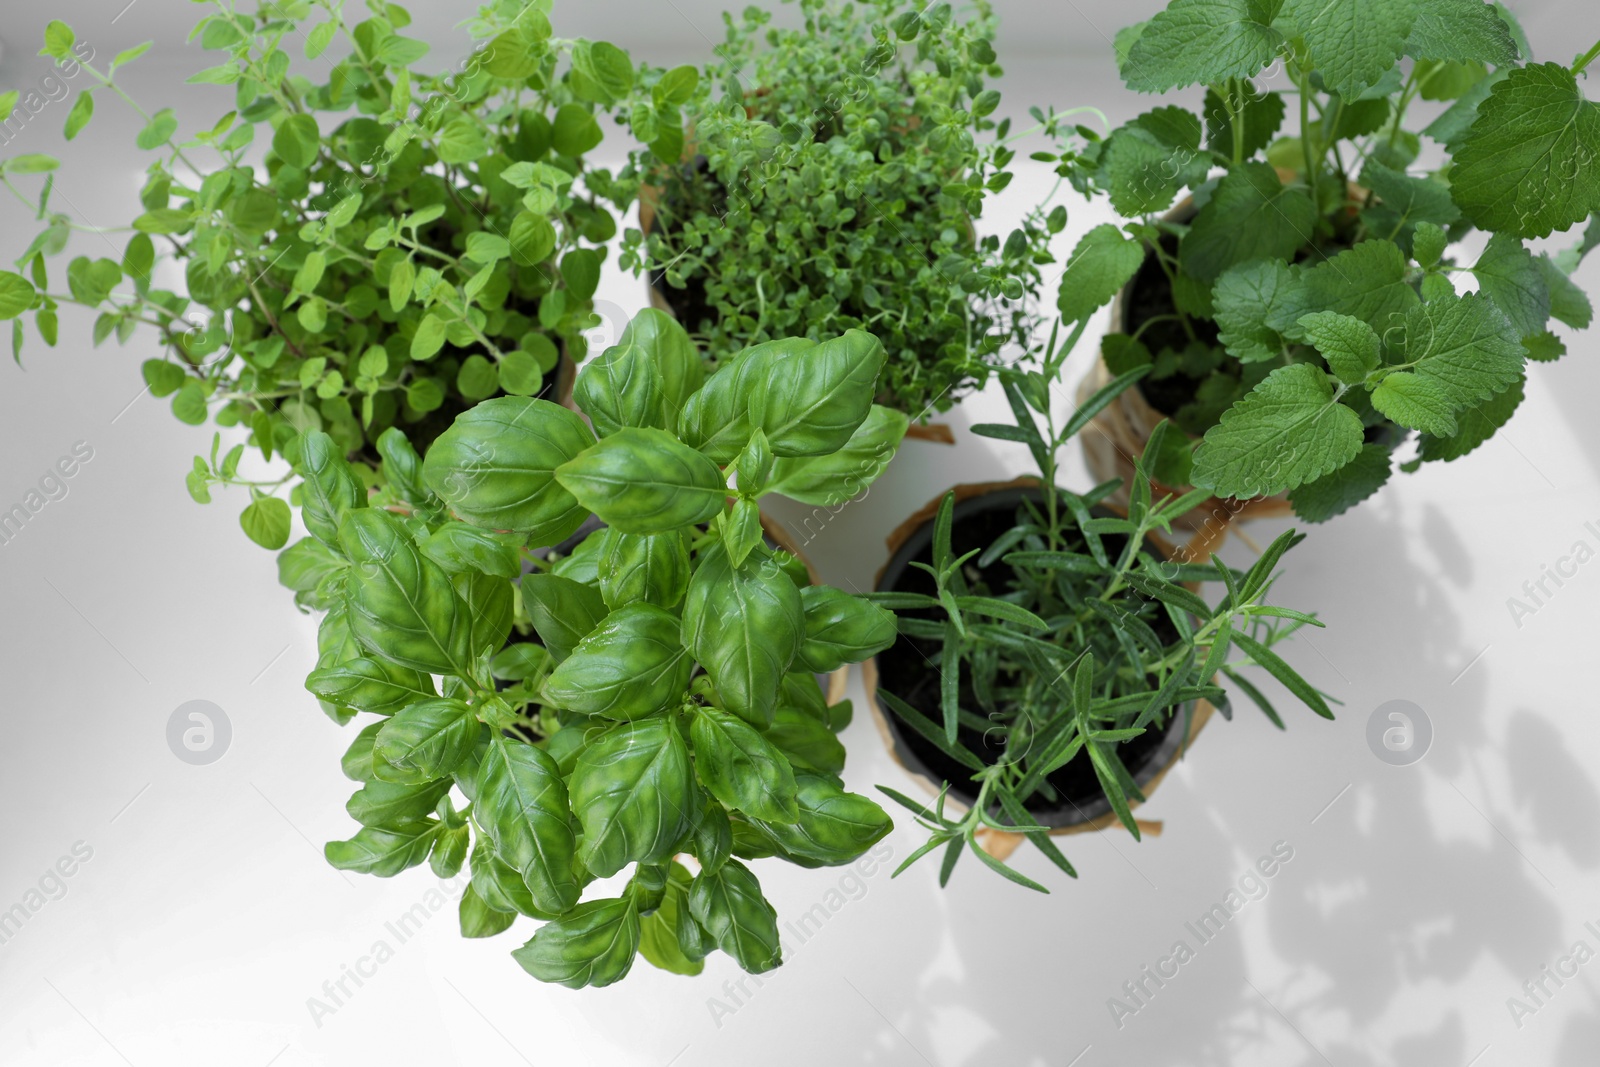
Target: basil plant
{"type": "Point", "coordinates": [644, 705]}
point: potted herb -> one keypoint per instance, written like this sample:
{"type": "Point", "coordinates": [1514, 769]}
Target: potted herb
{"type": "Point", "coordinates": [832, 181]}
{"type": "Point", "coordinates": [368, 247]}
{"type": "Point", "coordinates": [1305, 312]}
{"type": "Point", "coordinates": [1076, 660]}
{"type": "Point", "coordinates": [657, 713]}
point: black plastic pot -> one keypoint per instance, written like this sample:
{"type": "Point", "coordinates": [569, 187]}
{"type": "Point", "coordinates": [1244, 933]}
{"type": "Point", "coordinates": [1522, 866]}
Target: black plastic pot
{"type": "Point", "coordinates": [909, 670]}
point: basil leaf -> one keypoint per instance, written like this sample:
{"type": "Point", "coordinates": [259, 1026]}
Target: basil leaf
{"type": "Point", "coordinates": [425, 741]}
{"type": "Point", "coordinates": [495, 467]}
{"type": "Point", "coordinates": [632, 794]}
{"type": "Point", "coordinates": [480, 920]}
{"type": "Point", "coordinates": [832, 827]}
{"type": "Point", "coordinates": [645, 481]}
{"type": "Point", "coordinates": [841, 628]}
{"type": "Point", "coordinates": [621, 388]}
{"type": "Point", "coordinates": [395, 805]}
{"type": "Point", "coordinates": [371, 685]}
{"type": "Point", "coordinates": [649, 568]}
{"type": "Point", "coordinates": [728, 904]}
{"type": "Point", "coordinates": [658, 931]}
{"type": "Point", "coordinates": [631, 665]}
{"type": "Point", "coordinates": [741, 768]}
{"type": "Point", "coordinates": [384, 853]}
{"type": "Point", "coordinates": [402, 605]}
{"type": "Point", "coordinates": [330, 491]}
{"type": "Point", "coordinates": [563, 611]}
{"type": "Point", "coordinates": [716, 420]}
{"type": "Point", "coordinates": [522, 806]}
{"type": "Point", "coordinates": [679, 368]}
{"type": "Point", "coordinates": [592, 945]}
{"type": "Point", "coordinates": [811, 402]}
{"type": "Point", "coordinates": [745, 626]}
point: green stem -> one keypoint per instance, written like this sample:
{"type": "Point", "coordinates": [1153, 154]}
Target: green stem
{"type": "Point", "coordinates": [1585, 59]}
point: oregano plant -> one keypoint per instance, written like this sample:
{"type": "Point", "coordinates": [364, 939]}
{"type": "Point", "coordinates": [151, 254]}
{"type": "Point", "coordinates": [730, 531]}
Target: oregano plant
{"type": "Point", "coordinates": [1346, 278]}
{"type": "Point", "coordinates": [645, 704]}
{"type": "Point", "coordinates": [356, 243]}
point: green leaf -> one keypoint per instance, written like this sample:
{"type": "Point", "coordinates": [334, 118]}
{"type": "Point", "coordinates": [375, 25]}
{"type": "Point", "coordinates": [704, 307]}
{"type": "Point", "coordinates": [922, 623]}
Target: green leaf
{"type": "Point", "coordinates": [16, 295]}
{"type": "Point", "coordinates": [1367, 282]}
{"type": "Point", "coordinates": [521, 804]}
{"type": "Point", "coordinates": [1465, 345]}
{"type": "Point", "coordinates": [1338, 492]}
{"type": "Point", "coordinates": [745, 626]}
{"type": "Point", "coordinates": [31, 163]}
{"type": "Point", "coordinates": [677, 85]}
{"type": "Point", "coordinates": [266, 522]}
{"type": "Point", "coordinates": [591, 945]}
{"type": "Point", "coordinates": [563, 611]}
{"type": "Point", "coordinates": [728, 904]}
{"type": "Point", "coordinates": [425, 741]}
{"type": "Point", "coordinates": [1349, 345]}
{"type": "Point", "coordinates": [1475, 424]}
{"type": "Point", "coordinates": [831, 827]}
{"type": "Point", "coordinates": [189, 405]}
{"type": "Point", "coordinates": [1275, 666]}
{"type": "Point", "coordinates": [384, 853]}
{"type": "Point", "coordinates": [658, 932]}
{"type": "Point", "coordinates": [842, 475]}
{"type": "Point", "coordinates": [519, 374]}
{"type": "Point", "coordinates": [643, 568]}
{"type": "Point", "coordinates": [1101, 264]}
{"type": "Point", "coordinates": [1146, 162]}
{"type": "Point", "coordinates": [394, 805]}
{"type": "Point", "coordinates": [716, 418]}
{"type": "Point", "coordinates": [1416, 403]}
{"type": "Point", "coordinates": [495, 467]}
{"type": "Point", "coordinates": [1289, 430]}
{"type": "Point", "coordinates": [532, 239]}
{"type": "Point", "coordinates": [58, 40]}
{"type": "Point", "coordinates": [1251, 215]}
{"type": "Point", "coordinates": [841, 628]}
{"type": "Point", "coordinates": [741, 768]}
{"type": "Point", "coordinates": [82, 111]}
{"type": "Point", "coordinates": [1465, 31]}
{"type": "Point", "coordinates": [1403, 202]}
{"type": "Point", "coordinates": [1509, 275]}
{"type": "Point", "coordinates": [1568, 303]}
{"type": "Point", "coordinates": [398, 51]}
{"type": "Point", "coordinates": [679, 369]}
{"type": "Point", "coordinates": [330, 490]}
{"type": "Point", "coordinates": [631, 790]}
{"type": "Point", "coordinates": [644, 481]}
{"type": "Point", "coordinates": [297, 141]}
{"type": "Point", "coordinates": [811, 402]}
{"type": "Point", "coordinates": [462, 141]}
{"type": "Point", "coordinates": [477, 919]}
{"type": "Point", "coordinates": [370, 685]}
{"type": "Point", "coordinates": [621, 388]}
{"type": "Point", "coordinates": [1244, 299]}
{"type": "Point", "coordinates": [516, 53]}
{"type": "Point", "coordinates": [460, 548]}
{"type": "Point", "coordinates": [629, 666]}
{"type": "Point", "coordinates": [1202, 41]}
{"type": "Point", "coordinates": [402, 604]}
{"type": "Point", "coordinates": [574, 130]}
{"type": "Point", "coordinates": [1353, 43]}
{"type": "Point", "coordinates": [1525, 168]}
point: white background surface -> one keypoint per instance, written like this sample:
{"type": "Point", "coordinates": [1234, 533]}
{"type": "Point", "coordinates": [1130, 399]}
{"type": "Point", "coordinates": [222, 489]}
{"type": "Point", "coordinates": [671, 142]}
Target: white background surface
{"type": "Point", "coordinates": [1418, 899]}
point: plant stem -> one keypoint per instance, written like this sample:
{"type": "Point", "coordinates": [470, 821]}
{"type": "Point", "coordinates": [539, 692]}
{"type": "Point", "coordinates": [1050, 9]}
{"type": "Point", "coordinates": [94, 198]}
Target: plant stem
{"type": "Point", "coordinates": [1585, 59]}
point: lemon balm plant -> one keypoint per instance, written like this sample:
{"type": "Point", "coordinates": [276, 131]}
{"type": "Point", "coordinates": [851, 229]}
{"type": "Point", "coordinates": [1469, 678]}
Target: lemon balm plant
{"type": "Point", "coordinates": [1344, 277]}
{"type": "Point", "coordinates": [833, 179]}
{"type": "Point", "coordinates": [353, 245]}
{"type": "Point", "coordinates": [645, 705]}
{"type": "Point", "coordinates": [1075, 656]}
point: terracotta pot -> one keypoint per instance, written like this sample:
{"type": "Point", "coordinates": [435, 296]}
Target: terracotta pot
{"type": "Point", "coordinates": [1095, 814]}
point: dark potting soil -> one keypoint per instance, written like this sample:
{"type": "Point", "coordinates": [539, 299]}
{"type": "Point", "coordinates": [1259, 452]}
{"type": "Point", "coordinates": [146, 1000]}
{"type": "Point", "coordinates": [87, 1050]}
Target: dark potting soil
{"type": "Point", "coordinates": [909, 669]}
